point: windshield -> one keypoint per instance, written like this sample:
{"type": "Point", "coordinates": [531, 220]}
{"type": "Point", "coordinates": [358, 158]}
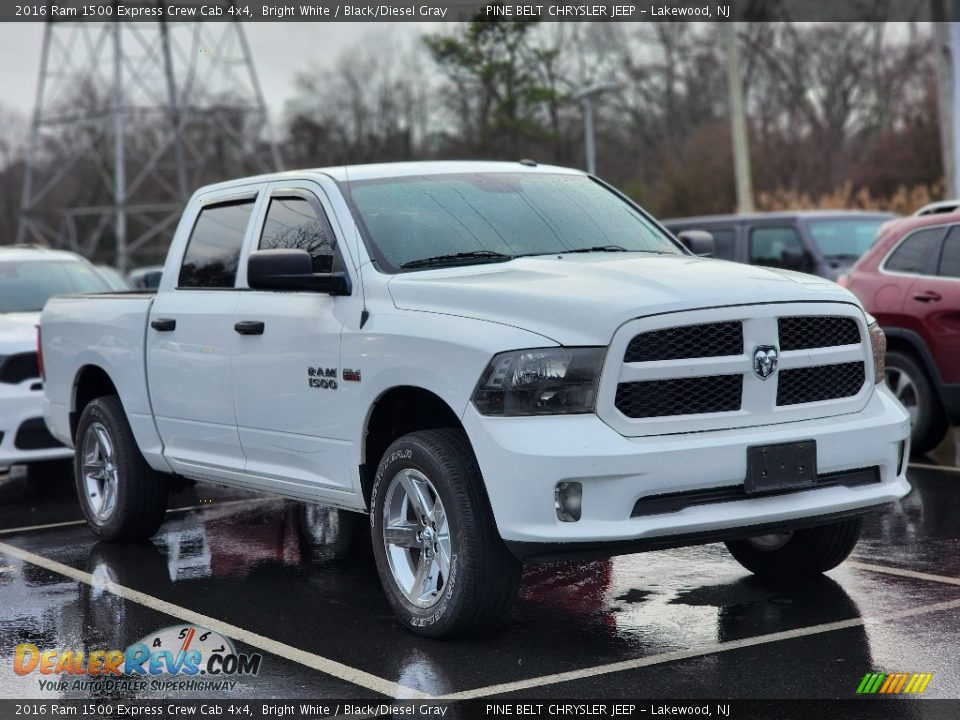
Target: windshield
{"type": "Point", "coordinates": [493, 217]}
{"type": "Point", "coordinates": [847, 238]}
{"type": "Point", "coordinates": [27, 285]}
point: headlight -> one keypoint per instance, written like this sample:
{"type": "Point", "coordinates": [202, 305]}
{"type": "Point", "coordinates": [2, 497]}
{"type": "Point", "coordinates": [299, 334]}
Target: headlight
{"type": "Point", "coordinates": [548, 381]}
{"type": "Point", "coordinates": [878, 344]}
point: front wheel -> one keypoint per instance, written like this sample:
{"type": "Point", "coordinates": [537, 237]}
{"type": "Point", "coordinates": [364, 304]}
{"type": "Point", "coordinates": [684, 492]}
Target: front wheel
{"type": "Point", "coordinates": [797, 553]}
{"type": "Point", "coordinates": [443, 566]}
{"type": "Point", "coordinates": [122, 497]}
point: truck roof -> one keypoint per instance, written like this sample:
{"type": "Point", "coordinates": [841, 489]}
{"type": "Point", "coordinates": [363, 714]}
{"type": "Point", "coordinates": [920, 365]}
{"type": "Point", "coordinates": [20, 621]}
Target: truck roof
{"type": "Point", "coordinates": [344, 173]}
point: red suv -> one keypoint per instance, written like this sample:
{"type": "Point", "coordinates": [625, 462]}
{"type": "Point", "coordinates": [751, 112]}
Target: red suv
{"type": "Point", "coordinates": [910, 281]}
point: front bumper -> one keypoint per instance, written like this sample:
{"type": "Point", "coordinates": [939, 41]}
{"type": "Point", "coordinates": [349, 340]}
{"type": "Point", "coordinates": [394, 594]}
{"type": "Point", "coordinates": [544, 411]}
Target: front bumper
{"type": "Point", "coordinates": [24, 436]}
{"type": "Point", "coordinates": [522, 460]}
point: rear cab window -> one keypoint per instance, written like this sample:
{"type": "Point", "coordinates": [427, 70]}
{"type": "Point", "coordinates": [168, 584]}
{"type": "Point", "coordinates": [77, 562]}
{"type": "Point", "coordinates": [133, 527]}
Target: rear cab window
{"type": "Point", "coordinates": [213, 250]}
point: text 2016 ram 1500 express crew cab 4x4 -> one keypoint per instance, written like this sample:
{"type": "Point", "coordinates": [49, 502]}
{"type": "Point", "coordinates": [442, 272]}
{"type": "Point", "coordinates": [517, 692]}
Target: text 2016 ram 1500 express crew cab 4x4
{"type": "Point", "coordinates": [498, 362]}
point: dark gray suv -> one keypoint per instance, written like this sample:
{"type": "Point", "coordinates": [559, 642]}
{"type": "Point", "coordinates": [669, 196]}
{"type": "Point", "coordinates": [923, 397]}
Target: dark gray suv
{"type": "Point", "coordinates": [824, 243]}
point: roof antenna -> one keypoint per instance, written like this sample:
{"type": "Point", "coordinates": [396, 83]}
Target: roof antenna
{"type": "Point", "coordinates": [528, 162]}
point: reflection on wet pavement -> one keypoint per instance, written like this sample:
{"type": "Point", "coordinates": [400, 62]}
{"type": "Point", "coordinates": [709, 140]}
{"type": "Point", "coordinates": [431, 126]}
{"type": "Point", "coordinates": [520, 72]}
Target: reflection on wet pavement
{"type": "Point", "coordinates": [304, 576]}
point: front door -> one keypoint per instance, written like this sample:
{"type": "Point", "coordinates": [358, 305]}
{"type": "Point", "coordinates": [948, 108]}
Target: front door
{"type": "Point", "coordinates": [286, 364]}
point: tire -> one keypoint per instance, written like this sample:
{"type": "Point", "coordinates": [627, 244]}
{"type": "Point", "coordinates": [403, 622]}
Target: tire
{"type": "Point", "coordinates": [108, 462]}
{"type": "Point", "coordinates": [800, 553]}
{"type": "Point", "coordinates": [909, 383]}
{"type": "Point", "coordinates": [482, 578]}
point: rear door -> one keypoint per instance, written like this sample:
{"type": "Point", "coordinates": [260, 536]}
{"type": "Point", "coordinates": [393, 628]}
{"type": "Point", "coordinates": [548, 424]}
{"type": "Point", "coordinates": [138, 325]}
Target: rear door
{"type": "Point", "coordinates": [190, 341]}
{"type": "Point", "coordinates": [287, 374]}
{"type": "Point", "coordinates": [934, 301]}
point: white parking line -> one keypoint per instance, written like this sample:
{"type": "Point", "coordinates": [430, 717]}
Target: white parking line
{"type": "Point", "coordinates": [927, 466]}
{"type": "Point", "coordinates": [887, 570]}
{"type": "Point", "coordinates": [695, 652]}
{"type": "Point", "coordinates": [261, 642]}
{"type": "Point", "coordinates": [203, 506]}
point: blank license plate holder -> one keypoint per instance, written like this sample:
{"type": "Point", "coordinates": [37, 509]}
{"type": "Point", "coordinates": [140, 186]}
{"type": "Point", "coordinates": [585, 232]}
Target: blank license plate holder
{"type": "Point", "coordinates": [785, 466]}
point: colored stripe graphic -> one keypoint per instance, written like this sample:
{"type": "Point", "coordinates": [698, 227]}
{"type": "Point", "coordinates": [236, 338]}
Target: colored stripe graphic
{"type": "Point", "coordinates": [894, 683]}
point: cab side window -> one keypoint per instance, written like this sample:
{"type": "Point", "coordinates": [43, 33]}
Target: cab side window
{"type": "Point", "coordinates": [768, 243]}
{"type": "Point", "coordinates": [213, 251]}
{"type": "Point", "coordinates": [950, 257]}
{"type": "Point", "coordinates": [296, 223]}
{"type": "Point", "coordinates": [913, 255]}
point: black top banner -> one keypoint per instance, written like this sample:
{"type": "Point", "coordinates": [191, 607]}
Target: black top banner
{"type": "Point", "coordinates": [461, 10]}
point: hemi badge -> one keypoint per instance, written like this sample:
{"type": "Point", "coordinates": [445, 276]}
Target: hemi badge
{"type": "Point", "coordinates": [353, 375]}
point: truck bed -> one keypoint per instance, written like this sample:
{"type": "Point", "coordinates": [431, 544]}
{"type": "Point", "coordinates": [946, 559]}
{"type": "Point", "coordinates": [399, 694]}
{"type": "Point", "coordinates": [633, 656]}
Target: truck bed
{"type": "Point", "coordinates": [108, 331]}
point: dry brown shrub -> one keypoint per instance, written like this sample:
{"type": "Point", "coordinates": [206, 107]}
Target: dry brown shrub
{"type": "Point", "coordinates": [904, 201]}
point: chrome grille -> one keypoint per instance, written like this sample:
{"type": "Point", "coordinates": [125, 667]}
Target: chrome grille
{"type": "Point", "coordinates": [805, 332]}
{"type": "Point", "coordinates": [819, 383]}
{"type": "Point", "coordinates": [686, 341]}
{"type": "Point", "coordinates": [680, 396]}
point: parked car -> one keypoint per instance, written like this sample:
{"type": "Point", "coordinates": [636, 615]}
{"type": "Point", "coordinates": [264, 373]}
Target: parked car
{"type": "Point", "coordinates": [910, 281]}
{"type": "Point", "coordinates": [145, 278]}
{"type": "Point", "coordinates": [498, 362]}
{"type": "Point", "coordinates": [29, 276]}
{"type": "Point", "coordinates": [114, 278]}
{"type": "Point", "coordinates": [825, 243]}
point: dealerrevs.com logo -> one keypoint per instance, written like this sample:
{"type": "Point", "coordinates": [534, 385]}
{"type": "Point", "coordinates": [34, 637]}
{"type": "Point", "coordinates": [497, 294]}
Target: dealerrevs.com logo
{"type": "Point", "coordinates": [173, 658]}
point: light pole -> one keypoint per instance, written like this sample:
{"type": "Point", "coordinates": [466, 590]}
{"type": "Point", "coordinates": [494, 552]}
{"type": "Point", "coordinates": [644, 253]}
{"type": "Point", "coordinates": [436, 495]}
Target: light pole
{"type": "Point", "coordinates": [586, 97]}
{"type": "Point", "coordinates": [738, 123]}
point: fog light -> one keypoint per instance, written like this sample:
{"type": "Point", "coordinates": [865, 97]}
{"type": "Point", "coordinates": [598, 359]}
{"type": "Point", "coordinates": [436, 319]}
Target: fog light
{"type": "Point", "coordinates": [568, 498]}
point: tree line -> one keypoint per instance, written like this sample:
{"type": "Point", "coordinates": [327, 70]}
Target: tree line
{"type": "Point", "coordinates": [838, 113]}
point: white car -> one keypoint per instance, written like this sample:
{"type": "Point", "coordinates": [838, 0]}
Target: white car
{"type": "Point", "coordinates": [500, 363]}
{"type": "Point", "coordinates": [28, 278]}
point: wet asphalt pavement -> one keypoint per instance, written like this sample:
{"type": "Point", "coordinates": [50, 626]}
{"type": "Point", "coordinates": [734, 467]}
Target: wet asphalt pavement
{"type": "Point", "coordinates": [285, 580]}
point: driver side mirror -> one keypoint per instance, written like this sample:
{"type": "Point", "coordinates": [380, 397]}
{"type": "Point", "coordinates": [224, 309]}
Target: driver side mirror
{"type": "Point", "coordinates": [699, 242]}
{"type": "Point", "coordinates": [794, 258]}
{"type": "Point", "coordinates": [292, 270]}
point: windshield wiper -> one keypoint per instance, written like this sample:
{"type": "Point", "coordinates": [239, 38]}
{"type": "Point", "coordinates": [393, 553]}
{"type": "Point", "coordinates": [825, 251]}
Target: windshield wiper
{"type": "Point", "coordinates": [477, 255]}
{"type": "Point", "coordinates": [595, 248]}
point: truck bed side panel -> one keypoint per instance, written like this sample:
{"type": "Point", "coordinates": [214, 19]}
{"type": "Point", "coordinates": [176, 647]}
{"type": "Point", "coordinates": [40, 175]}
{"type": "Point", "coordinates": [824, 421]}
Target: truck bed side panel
{"type": "Point", "coordinates": [107, 332]}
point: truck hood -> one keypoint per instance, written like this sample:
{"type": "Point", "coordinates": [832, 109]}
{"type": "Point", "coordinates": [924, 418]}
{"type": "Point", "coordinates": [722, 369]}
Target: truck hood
{"type": "Point", "coordinates": [18, 332]}
{"type": "Point", "coordinates": [583, 299]}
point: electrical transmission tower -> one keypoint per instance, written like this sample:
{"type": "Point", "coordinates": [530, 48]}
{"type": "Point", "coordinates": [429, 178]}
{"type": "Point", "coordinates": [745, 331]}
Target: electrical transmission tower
{"type": "Point", "coordinates": [130, 118]}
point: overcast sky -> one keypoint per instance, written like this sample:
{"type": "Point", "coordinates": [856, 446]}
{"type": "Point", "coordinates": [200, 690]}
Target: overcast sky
{"type": "Point", "coordinates": [279, 50]}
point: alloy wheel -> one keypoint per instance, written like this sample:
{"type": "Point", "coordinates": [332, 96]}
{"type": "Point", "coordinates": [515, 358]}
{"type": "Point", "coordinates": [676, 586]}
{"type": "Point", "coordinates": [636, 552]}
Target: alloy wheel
{"type": "Point", "coordinates": [416, 537]}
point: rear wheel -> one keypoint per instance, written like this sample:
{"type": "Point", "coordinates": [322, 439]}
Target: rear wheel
{"type": "Point", "coordinates": [442, 563]}
{"type": "Point", "coordinates": [797, 553]}
{"type": "Point", "coordinates": [122, 497]}
{"type": "Point", "coordinates": [909, 383]}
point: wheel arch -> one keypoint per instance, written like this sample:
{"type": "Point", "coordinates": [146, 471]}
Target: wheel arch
{"type": "Point", "coordinates": [386, 421]}
{"type": "Point", "coordinates": [90, 383]}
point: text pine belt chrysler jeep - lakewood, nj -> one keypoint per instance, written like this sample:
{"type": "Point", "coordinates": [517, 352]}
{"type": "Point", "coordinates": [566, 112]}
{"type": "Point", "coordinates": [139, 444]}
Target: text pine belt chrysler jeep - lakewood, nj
{"type": "Point", "coordinates": [498, 362]}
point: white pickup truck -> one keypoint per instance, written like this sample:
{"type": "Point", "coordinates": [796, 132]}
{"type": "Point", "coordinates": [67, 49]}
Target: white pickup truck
{"type": "Point", "coordinates": [498, 362]}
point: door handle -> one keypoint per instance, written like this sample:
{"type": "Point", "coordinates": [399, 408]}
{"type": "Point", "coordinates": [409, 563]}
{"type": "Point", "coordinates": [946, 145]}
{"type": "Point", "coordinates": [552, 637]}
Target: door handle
{"type": "Point", "coordinates": [163, 324]}
{"type": "Point", "coordinates": [249, 327]}
{"type": "Point", "coordinates": [928, 296]}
